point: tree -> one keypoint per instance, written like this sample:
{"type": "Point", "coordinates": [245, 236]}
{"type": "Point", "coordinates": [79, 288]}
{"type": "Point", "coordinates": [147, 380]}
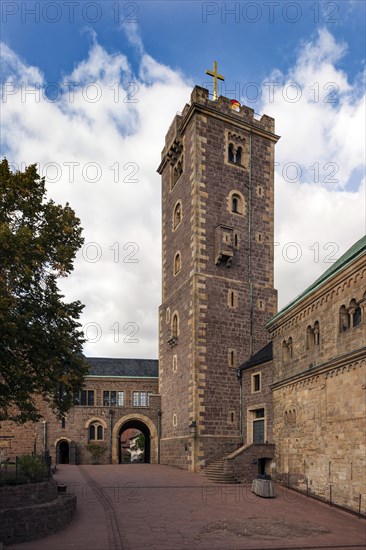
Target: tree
{"type": "Point", "coordinates": [140, 442]}
{"type": "Point", "coordinates": [41, 339]}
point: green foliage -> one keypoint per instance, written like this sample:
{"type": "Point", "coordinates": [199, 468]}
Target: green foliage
{"type": "Point", "coordinates": [41, 339]}
{"type": "Point", "coordinates": [96, 450]}
{"type": "Point", "coordinates": [140, 442]}
{"type": "Point", "coordinates": [31, 469]}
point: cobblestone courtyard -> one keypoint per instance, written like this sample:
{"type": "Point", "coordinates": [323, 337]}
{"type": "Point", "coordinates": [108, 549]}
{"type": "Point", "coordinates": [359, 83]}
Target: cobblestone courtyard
{"type": "Point", "coordinates": [143, 506]}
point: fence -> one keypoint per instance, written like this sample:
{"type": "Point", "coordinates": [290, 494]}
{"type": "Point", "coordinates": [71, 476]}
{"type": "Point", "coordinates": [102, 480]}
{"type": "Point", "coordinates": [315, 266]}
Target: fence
{"type": "Point", "coordinates": [330, 493]}
{"type": "Point", "coordinates": [26, 469]}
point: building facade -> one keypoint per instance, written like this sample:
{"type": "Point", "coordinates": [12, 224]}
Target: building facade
{"type": "Point", "coordinates": [217, 173]}
{"type": "Point", "coordinates": [237, 383]}
{"type": "Point", "coordinates": [118, 395]}
{"type": "Point", "coordinates": [319, 383]}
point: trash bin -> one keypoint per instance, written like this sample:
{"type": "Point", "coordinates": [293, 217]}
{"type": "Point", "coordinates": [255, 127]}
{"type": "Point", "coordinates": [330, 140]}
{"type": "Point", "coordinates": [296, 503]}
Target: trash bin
{"type": "Point", "coordinates": [263, 487]}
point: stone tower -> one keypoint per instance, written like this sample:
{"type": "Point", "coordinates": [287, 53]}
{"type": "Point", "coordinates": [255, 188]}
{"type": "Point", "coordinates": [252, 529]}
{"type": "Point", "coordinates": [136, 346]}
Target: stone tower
{"type": "Point", "coordinates": [217, 173]}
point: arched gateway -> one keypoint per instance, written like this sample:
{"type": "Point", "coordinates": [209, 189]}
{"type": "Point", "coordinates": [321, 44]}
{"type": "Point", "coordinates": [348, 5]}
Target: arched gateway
{"type": "Point", "coordinates": [140, 423]}
{"type": "Point", "coordinates": [138, 427]}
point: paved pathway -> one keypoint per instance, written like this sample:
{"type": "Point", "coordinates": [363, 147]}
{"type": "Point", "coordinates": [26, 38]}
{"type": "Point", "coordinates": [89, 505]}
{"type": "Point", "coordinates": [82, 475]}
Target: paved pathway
{"type": "Point", "coordinates": [144, 506]}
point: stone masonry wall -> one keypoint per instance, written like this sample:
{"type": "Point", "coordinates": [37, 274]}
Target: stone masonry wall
{"type": "Point", "coordinates": [319, 393]}
{"type": "Point", "coordinates": [253, 400]}
{"type": "Point", "coordinates": [30, 436]}
{"type": "Point", "coordinates": [32, 511]}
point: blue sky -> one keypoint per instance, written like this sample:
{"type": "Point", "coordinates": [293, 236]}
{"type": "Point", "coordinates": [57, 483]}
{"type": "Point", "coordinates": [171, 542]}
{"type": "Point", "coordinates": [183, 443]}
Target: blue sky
{"type": "Point", "coordinates": [304, 60]}
{"type": "Point", "coordinates": [247, 38]}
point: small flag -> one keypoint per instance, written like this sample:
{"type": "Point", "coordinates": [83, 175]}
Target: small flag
{"type": "Point", "coordinates": [235, 105]}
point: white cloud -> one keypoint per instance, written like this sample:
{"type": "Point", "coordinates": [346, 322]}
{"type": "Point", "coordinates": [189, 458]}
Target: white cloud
{"type": "Point", "coordinates": [119, 138]}
{"type": "Point", "coordinates": [322, 147]}
{"type": "Point", "coordinates": [123, 133]}
{"type": "Point", "coordinates": [319, 114]}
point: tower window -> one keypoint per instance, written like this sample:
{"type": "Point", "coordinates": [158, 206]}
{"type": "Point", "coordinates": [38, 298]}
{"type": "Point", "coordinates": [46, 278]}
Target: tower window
{"type": "Point", "coordinates": [235, 154]}
{"type": "Point", "coordinates": [175, 326]}
{"type": "Point", "coordinates": [232, 299]}
{"type": "Point", "coordinates": [177, 215]}
{"type": "Point", "coordinates": [239, 155]}
{"type": "Point", "coordinates": [236, 202]}
{"type": "Point", "coordinates": [232, 357]}
{"type": "Point", "coordinates": [177, 263]}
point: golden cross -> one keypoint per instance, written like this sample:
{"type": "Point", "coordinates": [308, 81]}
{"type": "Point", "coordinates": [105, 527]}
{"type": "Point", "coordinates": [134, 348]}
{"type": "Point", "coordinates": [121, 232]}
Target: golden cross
{"type": "Point", "coordinates": [216, 76]}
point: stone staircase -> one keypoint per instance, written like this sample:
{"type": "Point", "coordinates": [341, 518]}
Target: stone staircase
{"type": "Point", "coordinates": [218, 472]}
{"type": "Point", "coordinates": [241, 466]}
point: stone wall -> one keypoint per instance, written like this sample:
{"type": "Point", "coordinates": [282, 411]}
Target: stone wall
{"type": "Point", "coordinates": [319, 392]}
{"type": "Point", "coordinates": [253, 400]}
{"type": "Point", "coordinates": [244, 464]}
{"type": "Point", "coordinates": [34, 436]}
{"type": "Point", "coordinates": [29, 512]}
{"type": "Point", "coordinates": [319, 430]}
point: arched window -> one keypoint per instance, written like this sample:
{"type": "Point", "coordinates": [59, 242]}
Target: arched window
{"type": "Point", "coordinates": [96, 432]}
{"type": "Point", "coordinates": [354, 312]}
{"type": "Point", "coordinates": [175, 175]}
{"type": "Point", "coordinates": [175, 326]}
{"type": "Point", "coordinates": [357, 317]}
{"type": "Point", "coordinates": [235, 203]}
{"type": "Point", "coordinates": [231, 155]}
{"type": "Point", "coordinates": [92, 432]}
{"type": "Point", "coordinates": [100, 432]}
{"type": "Point", "coordinates": [344, 319]}
{"type": "Point", "coordinates": [239, 155]}
{"type": "Point", "coordinates": [287, 350]}
{"type": "Point", "coordinates": [177, 263]}
{"type": "Point", "coordinates": [179, 168]}
{"type": "Point", "coordinates": [177, 215]}
{"type": "Point", "coordinates": [316, 333]}
{"type": "Point", "coordinates": [289, 344]}
{"type": "Point", "coordinates": [309, 338]}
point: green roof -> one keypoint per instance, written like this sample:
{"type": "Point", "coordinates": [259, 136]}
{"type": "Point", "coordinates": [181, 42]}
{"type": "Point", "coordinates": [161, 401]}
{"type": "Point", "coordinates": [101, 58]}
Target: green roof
{"type": "Point", "coordinates": [352, 253]}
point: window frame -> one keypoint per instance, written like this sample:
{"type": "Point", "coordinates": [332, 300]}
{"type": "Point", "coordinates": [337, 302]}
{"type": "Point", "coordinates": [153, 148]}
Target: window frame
{"type": "Point", "coordinates": [84, 398]}
{"type": "Point", "coordinates": [256, 376]}
{"type": "Point", "coordinates": [113, 398]}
